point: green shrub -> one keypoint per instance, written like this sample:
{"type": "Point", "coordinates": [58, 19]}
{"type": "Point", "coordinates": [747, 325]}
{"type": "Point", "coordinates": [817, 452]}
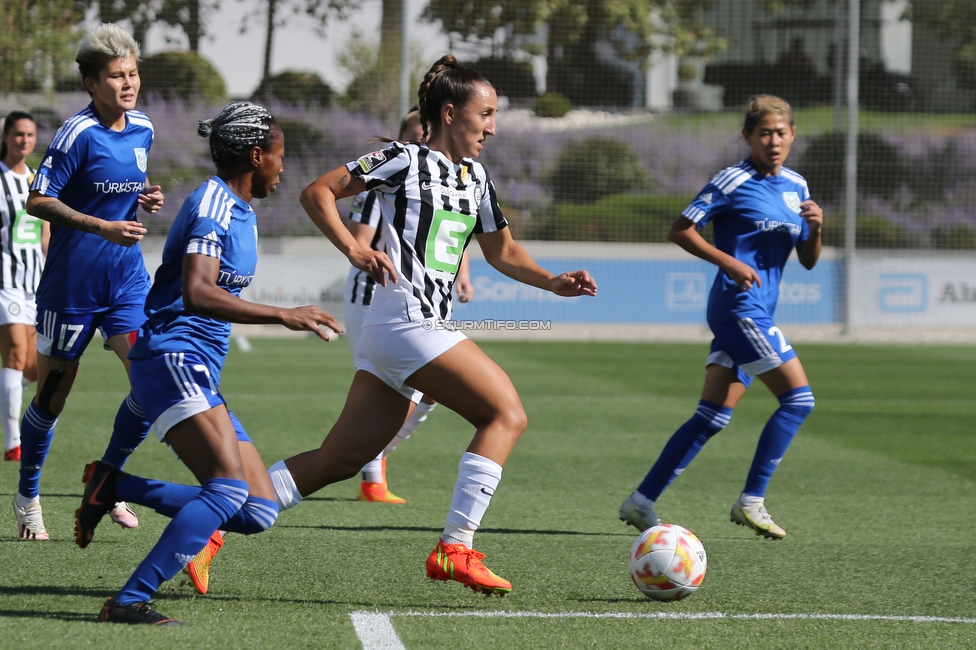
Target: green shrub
{"type": "Point", "coordinates": [295, 88]}
{"type": "Point", "coordinates": [302, 139]}
{"type": "Point", "coordinates": [880, 169]}
{"type": "Point", "coordinates": [594, 168]}
{"type": "Point", "coordinates": [953, 237]}
{"type": "Point", "coordinates": [552, 105]}
{"type": "Point", "coordinates": [616, 218]}
{"type": "Point", "coordinates": [182, 75]}
{"type": "Point", "coordinates": [873, 231]}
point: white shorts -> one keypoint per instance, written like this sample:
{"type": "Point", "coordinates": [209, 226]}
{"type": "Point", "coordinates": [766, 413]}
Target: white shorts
{"type": "Point", "coordinates": [17, 306]}
{"type": "Point", "coordinates": [353, 322]}
{"type": "Point", "coordinates": [394, 351]}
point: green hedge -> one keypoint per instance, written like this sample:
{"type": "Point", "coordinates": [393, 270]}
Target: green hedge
{"type": "Point", "coordinates": [182, 75]}
{"type": "Point", "coordinates": [617, 218]}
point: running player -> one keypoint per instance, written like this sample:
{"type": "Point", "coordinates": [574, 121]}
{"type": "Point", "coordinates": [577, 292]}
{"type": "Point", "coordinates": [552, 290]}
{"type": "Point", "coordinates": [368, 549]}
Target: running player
{"type": "Point", "coordinates": [209, 257]}
{"type": "Point", "coordinates": [433, 196]}
{"type": "Point", "coordinates": [364, 220]}
{"type": "Point", "coordinates": [761, 212]}
{"type": "Point", "coordinates": [23, 241]}
{"type": "Point", "coordinates": [91, 180]}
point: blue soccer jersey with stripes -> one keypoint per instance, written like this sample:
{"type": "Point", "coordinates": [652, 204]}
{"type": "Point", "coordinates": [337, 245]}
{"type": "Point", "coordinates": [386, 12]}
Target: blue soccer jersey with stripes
{"type": "Point", "coordinates": [757, 220]}
{"type": "Point", "coordinates": [215, 223]}
{"type": "Point", "coordinates": [99, 172]}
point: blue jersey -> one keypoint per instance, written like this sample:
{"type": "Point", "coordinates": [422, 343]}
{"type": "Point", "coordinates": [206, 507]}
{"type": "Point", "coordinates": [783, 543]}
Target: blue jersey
{"type": "Point", "coordinates": [757, 220]}
{"type": "Point", "coordinates": [99, 172]}
{"type": "Point", "coordinates": [212, 222]}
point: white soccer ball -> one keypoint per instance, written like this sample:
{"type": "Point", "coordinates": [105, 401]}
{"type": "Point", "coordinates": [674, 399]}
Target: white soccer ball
{"type": "Point", "coordinates": [667, 562]}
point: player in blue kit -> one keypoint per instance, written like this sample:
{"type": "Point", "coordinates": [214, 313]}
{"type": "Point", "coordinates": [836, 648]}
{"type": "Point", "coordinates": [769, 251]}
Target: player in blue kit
{"type": "Point", "coordinates": [761, 212]}
{"type": "Point", "coordinates": [209, 257]}
{"type": "Point", "coordinates": [91, 180]}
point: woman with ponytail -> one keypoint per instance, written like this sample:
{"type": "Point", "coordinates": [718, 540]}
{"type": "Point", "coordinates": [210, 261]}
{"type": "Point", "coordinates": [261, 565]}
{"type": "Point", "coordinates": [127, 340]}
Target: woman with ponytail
{"type": "Point", "coordinates": [433, 196]}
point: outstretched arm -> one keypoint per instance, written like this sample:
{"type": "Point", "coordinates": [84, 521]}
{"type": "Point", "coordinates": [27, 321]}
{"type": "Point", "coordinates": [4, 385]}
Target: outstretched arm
{"type": "Point", "coordinates": [506, 255]}
{"type": "Point", "coordinates": [319, 201]}
{"type": "Point", "coordinates": [123, 233]}
{"type": "Point", "coordinates": [202, 296]}
{"type": "Point", "coordinates": [684, 233]}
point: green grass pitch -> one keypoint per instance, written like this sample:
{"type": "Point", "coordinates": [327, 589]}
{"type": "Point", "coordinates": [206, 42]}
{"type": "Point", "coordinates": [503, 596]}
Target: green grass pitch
{"type": "Point", "coordinates": [877, 495]}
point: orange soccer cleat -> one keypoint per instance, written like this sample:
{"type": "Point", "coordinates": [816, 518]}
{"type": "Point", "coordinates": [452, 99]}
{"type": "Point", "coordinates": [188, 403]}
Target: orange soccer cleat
{"type": "Point", "coordinates": [463, 564]}
{"type": "Point", "coordinates": [199, 567]}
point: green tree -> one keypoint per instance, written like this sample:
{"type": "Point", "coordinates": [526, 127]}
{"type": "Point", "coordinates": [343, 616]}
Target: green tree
{"type": "Point", "coordinates": [634, 27]}
{"type": "Point", "coordinates": [956, 21]}
{"type": "Point", "coordinates": [38, 40]}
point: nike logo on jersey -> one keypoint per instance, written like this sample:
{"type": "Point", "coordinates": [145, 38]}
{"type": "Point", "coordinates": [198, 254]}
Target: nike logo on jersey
{"type": "Point", "coordinates": [484, 491]}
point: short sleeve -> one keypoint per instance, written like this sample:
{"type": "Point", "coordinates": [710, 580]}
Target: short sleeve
{"type": "Point", "coordinates": [383, 170]}
{"type": "Point", "coordinates": [366, 210]}
{"type": "Point", "coordinates": [710, 203]}
{"type": "Point", "coordinates": [208, 222]}
{"type": "Point", "coordinates": [490, 217]}
{"type": "Point", "coordinates": [58, 167]}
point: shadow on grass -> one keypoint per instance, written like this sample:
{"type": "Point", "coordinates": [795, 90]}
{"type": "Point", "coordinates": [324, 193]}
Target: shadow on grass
{"type": "Point", "coordinates": [481, 531]}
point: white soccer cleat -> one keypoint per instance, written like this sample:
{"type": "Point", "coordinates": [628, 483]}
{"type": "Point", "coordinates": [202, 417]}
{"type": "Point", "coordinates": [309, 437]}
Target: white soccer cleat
{"type": "Point", "coordinates": [30, 523]}
{"type": "Point", "coordinates": [123, 515]}
{"type": "Point", "coordinates": [637, 516]}
{"type": "Point", "coordinates": [754, 516]}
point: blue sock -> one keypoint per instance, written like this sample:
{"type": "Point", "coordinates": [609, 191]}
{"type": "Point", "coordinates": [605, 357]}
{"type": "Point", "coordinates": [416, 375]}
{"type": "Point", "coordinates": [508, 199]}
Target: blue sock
{"type": "Point", "coordinates": [36, 434]}
{"type": "Point", "coordinates": [130, 429]}
{"type": "Point", "coordinates": [794, 407]}
{"type": "Point", "coordinates": [165, 498]}
{"type": "Point", "coordinates": [684, 445]}
{"type": "Point", "coordinates": [184, 537]}
{"type": "Point", "coordinates": [255, 516]}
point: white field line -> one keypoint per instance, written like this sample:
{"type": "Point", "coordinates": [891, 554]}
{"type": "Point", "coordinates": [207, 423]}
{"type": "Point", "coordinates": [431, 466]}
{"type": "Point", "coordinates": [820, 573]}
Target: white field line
{"type": "Point", "coordinates": [375, 631]}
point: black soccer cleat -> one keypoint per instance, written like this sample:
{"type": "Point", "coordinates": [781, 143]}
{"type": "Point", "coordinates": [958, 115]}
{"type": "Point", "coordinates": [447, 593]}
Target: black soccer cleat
{"type": "Point", "coordinates": [134, 614]}
{"type": "Point", "coordinates": [98, 499]}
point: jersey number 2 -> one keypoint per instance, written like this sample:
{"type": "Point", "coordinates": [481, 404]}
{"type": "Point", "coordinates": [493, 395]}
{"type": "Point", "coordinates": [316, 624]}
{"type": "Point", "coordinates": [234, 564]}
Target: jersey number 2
{"type": "Point", "coordinates": [783, 345]}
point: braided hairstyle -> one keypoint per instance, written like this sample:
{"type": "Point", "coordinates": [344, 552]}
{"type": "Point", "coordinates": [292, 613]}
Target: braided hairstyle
{"type": "Point", "coordinates": [447, 81]}
{"type": "Point", "coordinates": [12, 118]}
{"type": "Point", "coordinates": [236, 129]}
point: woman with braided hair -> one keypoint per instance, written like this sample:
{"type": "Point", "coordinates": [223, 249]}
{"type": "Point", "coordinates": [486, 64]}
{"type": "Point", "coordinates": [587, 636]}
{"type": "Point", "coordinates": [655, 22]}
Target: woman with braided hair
{"type": "Point", "coordinates": [209, 257]}
{"type": "Point", "coordinates": [433, 196]}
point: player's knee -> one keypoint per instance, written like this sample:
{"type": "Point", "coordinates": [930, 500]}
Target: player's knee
{"type": "Point", "coordinates": [716, 417]}
{"type": "Point", "coordinates": [799, 402]}
{"type": "Point", "coordinates": [513, 419]}
{"type": "Point", "coordinates": [45, 396]}
{"type": "Point", "coordinates": [258, 515]}
{"type": "Point", "coordinates": [17, 359]}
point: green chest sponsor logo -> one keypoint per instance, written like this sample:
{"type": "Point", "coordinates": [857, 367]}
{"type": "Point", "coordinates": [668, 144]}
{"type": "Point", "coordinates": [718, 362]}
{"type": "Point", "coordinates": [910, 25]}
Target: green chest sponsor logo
{"type": "Point", "coordinates": [445, 242]}
{"type": "Point", "coordinates": [26, 229]}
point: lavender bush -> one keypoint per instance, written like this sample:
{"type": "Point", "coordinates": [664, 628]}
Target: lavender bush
{"type": "Point", "coordinates": [935, 206]}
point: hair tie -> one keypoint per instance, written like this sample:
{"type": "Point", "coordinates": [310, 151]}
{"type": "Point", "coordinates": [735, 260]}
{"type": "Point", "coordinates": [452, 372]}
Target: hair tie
{"type": "Point", "coordinates": [205, 128]}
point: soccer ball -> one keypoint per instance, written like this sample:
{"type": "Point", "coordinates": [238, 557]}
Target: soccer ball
{"type": "Point", "coordinates": [667, 562]}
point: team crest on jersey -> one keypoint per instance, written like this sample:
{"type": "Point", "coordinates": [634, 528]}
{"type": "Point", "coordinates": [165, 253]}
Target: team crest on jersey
{"type": "Point", "coordinates": [792, 201]}
{"type": "Point", "coordinates": [371, 161]}
{"type": "Point", "coordinates": [142, 159]}
{"type": "Point", "coordinates": [13, 308]}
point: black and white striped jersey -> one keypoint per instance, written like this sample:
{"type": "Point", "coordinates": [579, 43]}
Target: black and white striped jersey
{"type": "Point", "coordinates": [366, 211]}
{"type": "Point", "coordinates": [430, 207]}
{"type": "Point", "coordinates": [21, 260]}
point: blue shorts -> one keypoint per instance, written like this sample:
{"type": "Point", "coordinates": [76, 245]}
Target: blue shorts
{"type": "Point", "coordinates": [66, 336]}
{"type": "Point", "coordinates": [750, 346]}
{"type": "Point", "coordinates": [174, 387]}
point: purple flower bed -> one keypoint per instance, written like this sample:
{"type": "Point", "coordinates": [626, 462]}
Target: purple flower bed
{"type": "Point", "coordinates": [678, 161]}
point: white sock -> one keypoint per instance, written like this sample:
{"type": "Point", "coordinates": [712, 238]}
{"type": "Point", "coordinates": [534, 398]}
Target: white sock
{"type": "Point", "coordinates": [477, 479]}
{"type": "Point", "coordinates": [420, 413]}
{"type": "Point", "coordinates": [641, 500]}
{"type": "Point", "coordinates": [23, 502]}
{"type": "Point", "coordinates": [373, 470]}
{"type": "Point", "coordinates": [750, 500]}
{"type": "Point", "coordinates": [11, 400]}
{"type": "Point", "coordinates": [286, 492]}
{"type": "Point", "coordinates": [25, 382]}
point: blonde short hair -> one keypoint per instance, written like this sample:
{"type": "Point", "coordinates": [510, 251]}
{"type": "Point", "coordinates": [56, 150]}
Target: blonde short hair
{"type": "Point", "coordinates": [103, 44]}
